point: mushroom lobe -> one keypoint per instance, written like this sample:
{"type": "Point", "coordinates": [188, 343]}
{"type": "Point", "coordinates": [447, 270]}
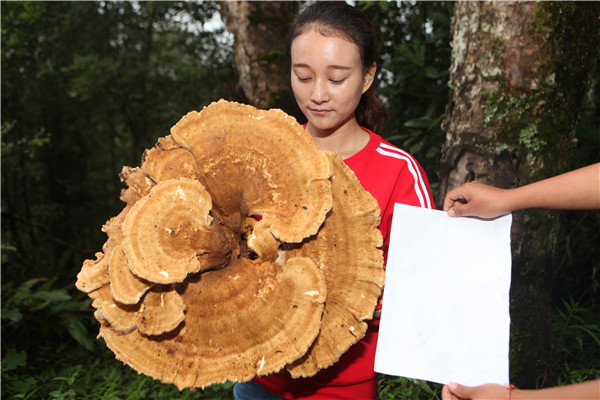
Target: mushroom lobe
{"type": "Point", "coordinates": [165, 230]}
{"type": "Point", "coordinates": [93, 274]}
{"type": "Point", "coordinates": [162, 311]}
{"type": "Point", "coordinates": [125, 287]}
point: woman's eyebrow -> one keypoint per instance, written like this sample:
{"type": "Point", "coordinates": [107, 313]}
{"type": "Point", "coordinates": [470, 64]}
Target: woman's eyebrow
{"type": "Point", "coordinates": [344, 67]}
{"type": "Point", "coordinates": [334, 66]}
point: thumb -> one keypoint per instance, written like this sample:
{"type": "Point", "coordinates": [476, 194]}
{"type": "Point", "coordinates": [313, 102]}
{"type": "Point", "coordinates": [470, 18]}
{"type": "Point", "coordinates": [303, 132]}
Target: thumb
{"type": "Point", "coordinates": [458, 209]}
{"type": "Point", "coordinates": [460, 390]}
{"type": "Point", "coordinates": [447, 394]}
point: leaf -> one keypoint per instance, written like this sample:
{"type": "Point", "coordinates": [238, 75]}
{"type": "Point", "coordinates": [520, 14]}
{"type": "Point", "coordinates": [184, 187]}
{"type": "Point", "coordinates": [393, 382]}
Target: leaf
{"type": "Point", "coordinates": [589, 332]}
{"type": "Point", "coordinates": [431, 72]}
{"type": "Point", "coordinates": [48, 297]}
{"type": "Point", "coordinates": [13, 360]}
{"type": "Point", "coordinates": [12, 314]}
{"type": "Point", "coordinates": [421, 123]}
{"type": "Point", "coordinates": [77, 331]}
{"type": "Point", "coordinates": [415, 57]}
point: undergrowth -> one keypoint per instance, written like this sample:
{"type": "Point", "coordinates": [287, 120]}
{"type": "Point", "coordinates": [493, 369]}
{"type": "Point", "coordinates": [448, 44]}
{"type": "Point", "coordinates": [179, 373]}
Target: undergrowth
{"type": "Point", "coordinates": [84, 375]}
{"type": "Point", "coordinates": [399, 388]}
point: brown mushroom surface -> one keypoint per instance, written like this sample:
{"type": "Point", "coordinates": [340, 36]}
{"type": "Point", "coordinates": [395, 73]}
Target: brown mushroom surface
{"type": "Point", "coordinates": [168, 160]}
{"type": "Point", "coordinates": [241, 321]}
{"type": "Point", "coordinates": [347, 248]}
{"type": "Point", "coordinates": [125, 287]}
{"type": "Point", "coordinates": [162, 311]}
{"type": "Point", "coordinates": [166, 230]}
{"type": "Point", "coordinates": [121, 317]}
{"type": "Point", "coordinates": [259, 162]}
{"type": "Point", "coordinates": [242, 249]}
{"type": "Point", "coordinates": [93, 274]}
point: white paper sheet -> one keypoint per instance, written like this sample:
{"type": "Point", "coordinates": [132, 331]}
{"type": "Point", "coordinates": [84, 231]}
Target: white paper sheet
{"type": "Point", "coordinates": [445, 315]}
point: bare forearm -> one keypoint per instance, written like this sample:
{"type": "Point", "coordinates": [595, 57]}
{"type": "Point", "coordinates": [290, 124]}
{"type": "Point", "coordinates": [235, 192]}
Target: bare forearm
{"type": "Point", "coordinates": [580, 391]}
{"type": "Point", "coordinates": [575, 190]}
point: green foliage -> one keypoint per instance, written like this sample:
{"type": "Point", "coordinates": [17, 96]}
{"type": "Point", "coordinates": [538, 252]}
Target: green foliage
{"type": "Point", "coordinates": [101, 377]}
{"type": "Point", "coordinates": [53, 312]}
{"type": "Point", "coordinates": [26, 146]}
{"type": "Point", "coordinates": [576, 348]}
{"type": "Point", "coordinates": [399, 388]}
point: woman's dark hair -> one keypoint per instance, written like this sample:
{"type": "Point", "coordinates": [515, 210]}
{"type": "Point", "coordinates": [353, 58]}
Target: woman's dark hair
{"type": "Point", "coordinates": [336, 18]}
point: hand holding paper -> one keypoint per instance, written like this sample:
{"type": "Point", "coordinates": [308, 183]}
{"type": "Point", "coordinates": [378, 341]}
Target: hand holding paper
{"type": "Point", "coordinates": [445, 310]}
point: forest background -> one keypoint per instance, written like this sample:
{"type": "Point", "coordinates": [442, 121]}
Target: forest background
{"type": "Point", "coordinates": [87, 86]}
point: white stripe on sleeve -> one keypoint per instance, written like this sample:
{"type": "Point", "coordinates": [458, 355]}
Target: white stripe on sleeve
{"type": "Point", "coordinates": [420, 188]}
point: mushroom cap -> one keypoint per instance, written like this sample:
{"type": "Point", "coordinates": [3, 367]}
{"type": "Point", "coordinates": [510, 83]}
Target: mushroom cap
{"type": "Point", "coordinates": [93, 274]}
{"type": "Point", "coordinates": [262, 319]}
{"type": "Point", "coordinates": [347, 249]}
{"type": "Point", "coordinates": [138, 184]}
{"type": "Point", "coordinates": [162, 311]}
{"type": "Point", "coordinates": [125, 287]}
{"type": "Point", "coordinates": [261, 241]}
{"type": "Point", "coordinates": [168, 160]}
{"type": "Point", "coordinates": [165, 230]}
{"type": "Point", "coordinates": [259, 162]}
{"type": "Point", "coordinates": [121, 317]}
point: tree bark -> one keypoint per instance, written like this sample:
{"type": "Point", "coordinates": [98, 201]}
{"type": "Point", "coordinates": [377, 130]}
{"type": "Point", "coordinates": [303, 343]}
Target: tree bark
{"type": "Point", "coordinates": [519, 75]}
{"type": "Point", "coordinates": [260, 32]}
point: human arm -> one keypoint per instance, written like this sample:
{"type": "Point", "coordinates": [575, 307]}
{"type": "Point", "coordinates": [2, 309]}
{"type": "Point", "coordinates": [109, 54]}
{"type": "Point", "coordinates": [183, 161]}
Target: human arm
{"type": "Point", "coordinates": [579, 391]}
{"type": "Point", "coordinates": [574, 190]}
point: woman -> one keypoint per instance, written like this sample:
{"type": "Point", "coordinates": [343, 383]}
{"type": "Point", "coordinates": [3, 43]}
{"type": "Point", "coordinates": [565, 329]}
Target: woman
{"type": "Point", "coordinates": [332, 51]}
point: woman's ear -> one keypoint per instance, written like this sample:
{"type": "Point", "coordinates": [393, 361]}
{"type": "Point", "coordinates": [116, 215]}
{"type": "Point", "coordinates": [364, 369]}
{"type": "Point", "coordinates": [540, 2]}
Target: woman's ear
{"type": "Point", "coordinates": [369, 76]}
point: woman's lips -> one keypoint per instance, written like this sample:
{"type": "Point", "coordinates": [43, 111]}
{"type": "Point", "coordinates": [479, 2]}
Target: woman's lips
{"type": "Point", "coordinates": [318, 111]}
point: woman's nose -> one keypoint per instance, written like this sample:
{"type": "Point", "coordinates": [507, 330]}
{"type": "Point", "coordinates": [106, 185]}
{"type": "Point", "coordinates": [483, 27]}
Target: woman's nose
{"type": "Point", "coordinates": [319, 93]}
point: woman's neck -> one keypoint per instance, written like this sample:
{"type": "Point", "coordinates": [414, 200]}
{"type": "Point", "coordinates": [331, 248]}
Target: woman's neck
{"type": "Point", "coordinates": [345, 141]}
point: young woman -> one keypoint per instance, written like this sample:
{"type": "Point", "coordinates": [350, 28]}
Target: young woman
{"type": "Point", "coordinates": [332, 50]}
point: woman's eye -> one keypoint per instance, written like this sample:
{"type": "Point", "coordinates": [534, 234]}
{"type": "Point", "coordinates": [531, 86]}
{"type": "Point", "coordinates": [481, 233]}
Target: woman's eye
{"type": "Point", "coordinates": [302, 79]}
{"type": "Point", "coordinates": [337, 81]}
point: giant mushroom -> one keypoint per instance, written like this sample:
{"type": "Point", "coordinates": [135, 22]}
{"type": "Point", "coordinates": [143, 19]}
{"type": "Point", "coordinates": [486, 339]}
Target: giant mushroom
{"type": "Point", "coordinates": [243, 249]}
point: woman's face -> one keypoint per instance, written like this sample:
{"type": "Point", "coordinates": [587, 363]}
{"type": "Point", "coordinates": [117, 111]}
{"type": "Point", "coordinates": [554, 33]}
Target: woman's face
{"type": "Point", "coordinates": [327, 79]}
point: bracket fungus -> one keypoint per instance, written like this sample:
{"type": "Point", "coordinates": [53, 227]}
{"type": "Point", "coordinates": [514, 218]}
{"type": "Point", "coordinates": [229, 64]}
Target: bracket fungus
{"type": "Point", "coordinates": [243, 249]}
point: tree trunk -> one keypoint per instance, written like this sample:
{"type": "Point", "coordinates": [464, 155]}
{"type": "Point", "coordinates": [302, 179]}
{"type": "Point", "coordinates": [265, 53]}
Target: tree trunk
{"type": "Point", "coordinates": [260, 32]}
{"type": "Point", "coordinates": [518, 79]}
